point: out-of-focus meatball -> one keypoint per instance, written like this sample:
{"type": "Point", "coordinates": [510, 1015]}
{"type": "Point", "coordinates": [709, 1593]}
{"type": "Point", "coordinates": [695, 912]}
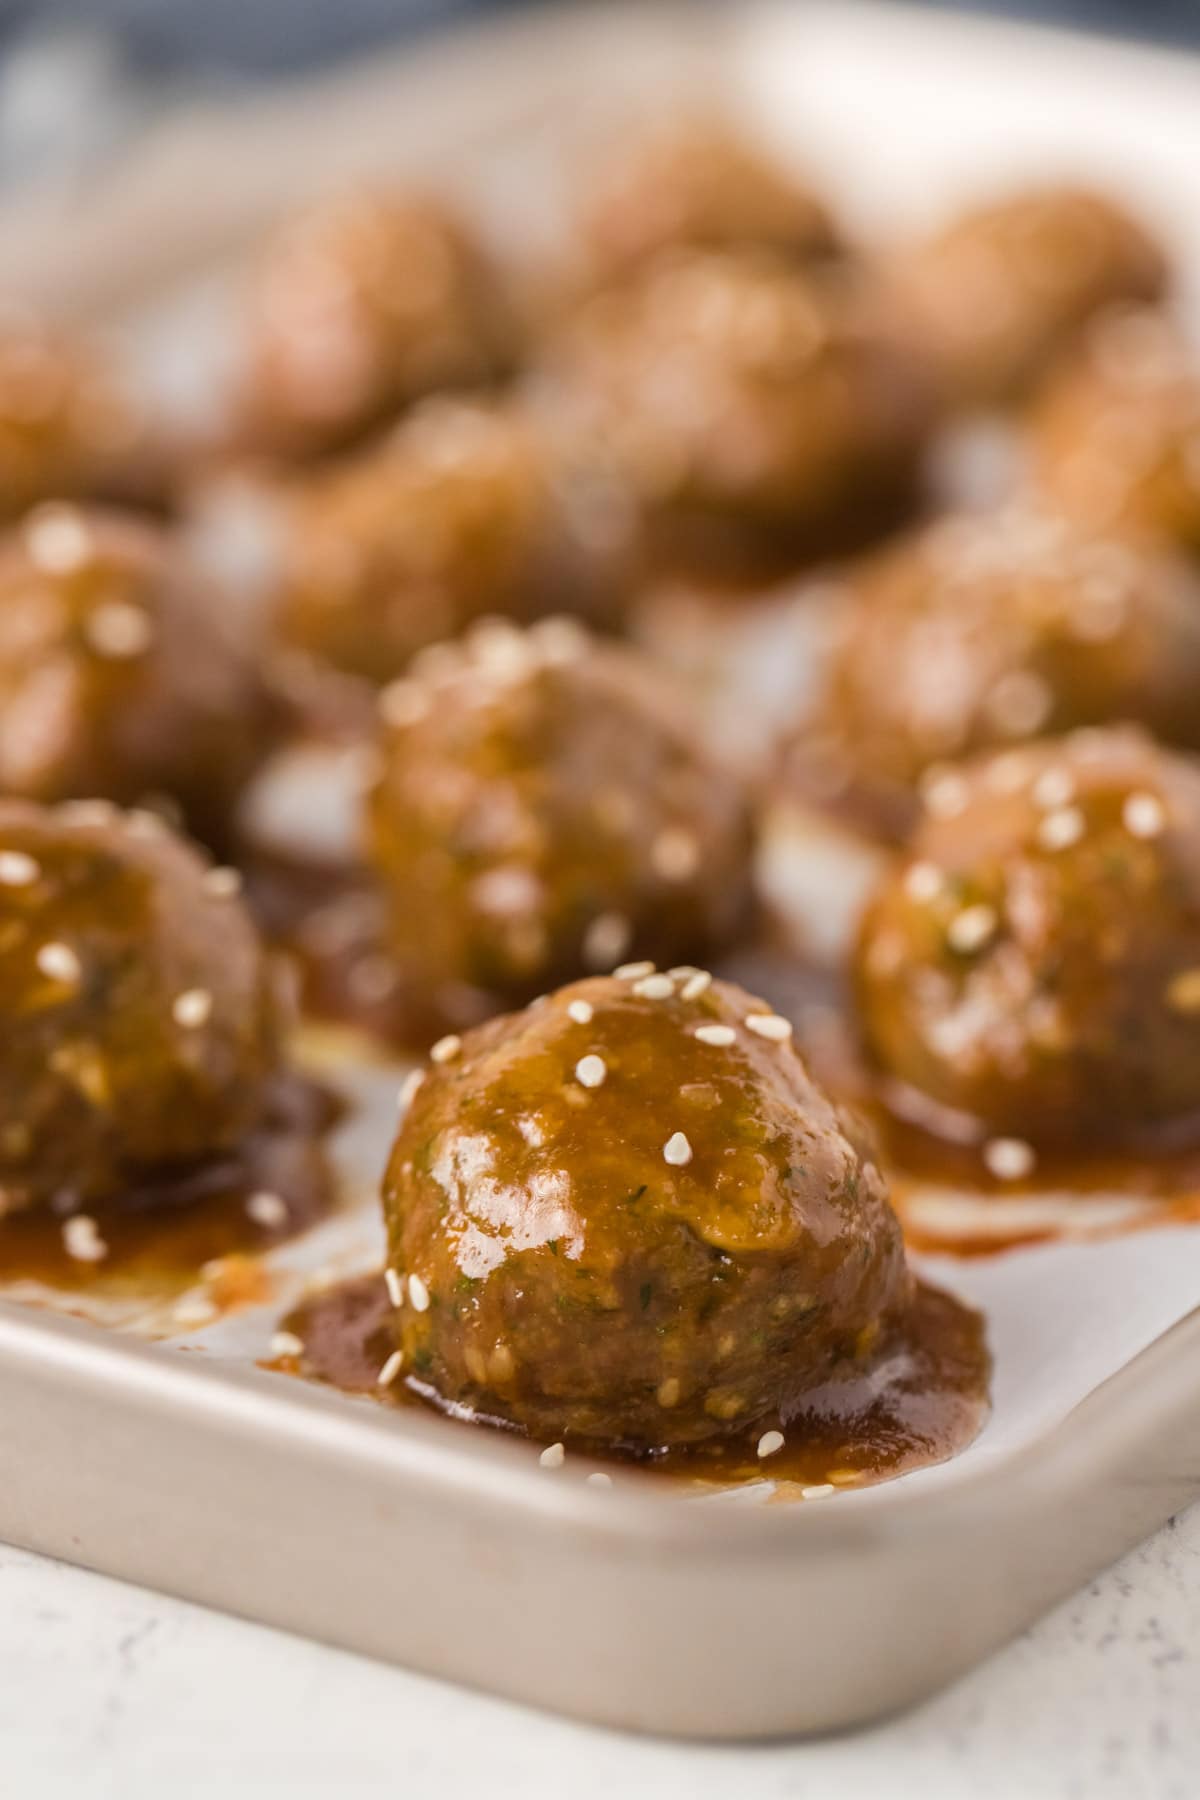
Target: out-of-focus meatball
{"type": "Point", "coordinates": [139, 1019]}
{"type": "Point", "coordinates": [467, 510]}
{"type": "Point", "coordinates": [747, 400]}
{"type": "Point", "coordinates": [985, 630]}
{"type": "Point", "coordinates": [1116, 439]}
{"type": "Point", "coordinates": [628, 1215]}
{"type": "Point", "coordinates": [542, 809]}
{"type": "Point", "coordinates": [1034, 963]}
{"type": "Point", "coordinates": [359, 307]}
{"type": "Point", "coordinates": [116, 677]}
{"type": "Point", "coordinates": [999, 293]}
{"type": "Point", "coordinates": [695, 181]}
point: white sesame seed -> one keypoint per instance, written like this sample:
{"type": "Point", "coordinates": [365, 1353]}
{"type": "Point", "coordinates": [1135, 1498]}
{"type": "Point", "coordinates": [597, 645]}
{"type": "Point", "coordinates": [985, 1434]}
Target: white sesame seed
{"type": "Point", "coordinates": [770, 1442]}
{"type": "Point", "coordinates": [1144, 815]}
{"type": "Point", "coordinates": [599, 1479]}
{"type": "Point", "coordinates": [923, 881]}
{"type": "Point", "coordinates": [82, 1241]}
{"type": "Point", "coordinates": [223, 883]}
{"type": "Point", "coordinates": [446, 1049]}
{"type": "Point", "coordinates": [268, 1210]}
{"type": "Point", "coordinates": [192, 1008]}
{"type": "Point", "coordinates": [58, 539]}
{"type": "Point", "coordinates": [769, 1025]}
{"type": "Point", "coordinates": [677, 1151]}
{"type": "Point", "coordinates": [418, 1293]}
{"type": "Point", "coordinates": [581, 1011]}
{"type": "Point", "coordinates": [390, 1369]}
{"type": "Point", "coordinates": [972, 928]}
{"type": "Point", "coordinates": [1008, 1159]}
{"type": "Point", "coordinates": [409, 1087]}
{"type": "Point", "coordinates": [58, 962]}
{"type": "Point", "coordinates": [590, 1071]}
{"type": "Point", "coordinates": [605, 939]}
{"type": "Point", "coordinates": [817, 1491]}
{"type": "Point", "coordinates": [1059, 830]}
{"type": "Point", "coordinates": [394, 1283]}
{"type": "Point", "coordinates": [192, 1311]}
{"type": "Point", "coordinates": [633, 971]}
{"type": "Point", "coordinates": [553, 1456]}
{"type": "Point", "coordinates": [84, 813]}
{"type": "Point", "coordinates": [286, 1343]}
{"type": "Point", "coordinates": [403, 703]}
{"type": "Point", "coordinates": [17, 869]}
{"type": "Point", "coordinates": [696, 984]}
{"type": "Point", "coordinates": [654, 987]}
{"type": "Point", "coordinates": [559, 640]}
{"type": "Point", "coordinates": [117, 630]}
{"type": "Point", "coordinates": [1020, 703]}
{"type": "Point", "coordinates": [675, 854]}
{"type": "Point", "coordinates": [945, 795]}
{"type": "Point", "coordinates": [720, 1035]}
{"type": "Point", "coordinates": [1053, 788]}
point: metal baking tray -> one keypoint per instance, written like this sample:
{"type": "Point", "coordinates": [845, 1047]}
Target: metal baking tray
{"type": "Point", "coordinates": [449, 1549]}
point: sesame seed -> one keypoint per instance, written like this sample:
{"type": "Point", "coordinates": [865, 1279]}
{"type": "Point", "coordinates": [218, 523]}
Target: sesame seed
{"type": "Point", "coordinates": [677, 1151]}
{"type": "Point", "coordinates": [193, 1310]}
{"type": "Point", "coordinates": [553, 1456]}
{"type": "Point", "coordinates": [817, 1491]}
{"type": "Point", "coordinates": [1183, 991]}
{"type": "Point", "coordinates": [268, 1210]}
{"type": "Point", "coordinates": [222, 883]}
{"type": "Point", "coordinates": [590, 1071]}
{"type": "Point", "coordinates": [605, 939]}
{"type": "Point", "coordinates": [599, 1479]}
{"type": "Point", "coordinates": [559, 640]}
{"type": "Point", "coordinates": [675, 854]}
{"type": "Point", "coordinates": [409, 1087]}
{"type": "Point", "coordinates": [17, 869]}
{"type": "Point", "coordinates": [654, 987]}
{"type": "Point", "coordinates": [403, 703]}
{"type": "Point", "coordinates": [446, 1049]}
{"type": "Point", "coordinates": [58, 540]}
{"type": "Point", "coordinates": [1059, 830]}
{"type": "Point", "coordinates": [86, 812]}
{"type": "Point", "coordinates": [720, 1035]}
{"type": "Point", "coordinates": [769, 1025]}
{"type": "Point", "coordinates": [1053, 788]}
{"type": "Point", "coordinates": [1008, 1159]}
{"type": "Point", "coordinates": [1144, 815]}
{"type": "Point", "coordinates": [972, 928]}
{"type": "Point", "coordinates": [418, 1293]}
{"type": "Point", "coordinates": [58, 962]}
{"type": "Point", "coordinates": [697, 984]}
{"type": "Point", "coordinates": [769, 1443]}
{"type": "Point", "coordinates": [82, 1241]}
{"type": "Point", "coordinates": [286, 1343]}
{"type": "Point", "coordinates": [394, 1283]}
{"type": "Point", "coordinates": [581, 1011]}
{"type": "Point", "coordinates": [945, 795]}
{"type": "Point", "coordinates": [1020, 703]}
{"type": "Point", "coordinates": [668, 1392]}
{"type": "Point", "coordinates": [633, 971]}
{"type": "Point", "coordinates": [923, 881]}
{"type": "Point", "coordinates": [118, 630]}
{"type": "Point", "coordinates": [192, 1008]}
{"type": "Point", "coordinates": [390, 1369]}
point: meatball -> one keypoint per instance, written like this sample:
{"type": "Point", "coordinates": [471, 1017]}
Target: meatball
{"type": "Point", "coordinates": [1116, 439]}
{"type": "Point", "coordinates": [748, 401]}
{"type": "Point", "coordinates": [543, 809]}
{"type": "Point", "coordinates": [627, 1215]}
{"type": "Point", "coordinates": [139, 1018]}
{"type": "Point", "coordinates": [115, 675]}
{"type": "Point", "coordinates": [696, 182]}
{"type": "Point", "coordinates": [360, 307]}
{"type": "Point", "coordinates": [984, 630]}
{"type": "Point", "coordinates": [467, 510]}
{"type": "Point", "coordinates": [1034, 963]}
{"type": "Point", "coordinates": [999, 293]}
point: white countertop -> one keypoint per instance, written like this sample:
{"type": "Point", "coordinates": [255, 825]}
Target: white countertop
{"type": "Point", "coordinates": [111, 1693]}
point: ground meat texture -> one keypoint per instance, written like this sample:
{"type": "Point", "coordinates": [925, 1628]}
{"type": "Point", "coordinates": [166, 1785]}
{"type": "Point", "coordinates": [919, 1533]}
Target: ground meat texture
{"type": "Point", "coordinates": [115, 675]}
{"type": "Point", "coordinates": [608, 1228]}
{"type": "Point", "coordinates": [983, 630]}
{"type": "Point", "coordinates": [360, 307]}
{"type": "Point", "coordinates": [542, 809]}
{"type": "Point", "coordinates": [746, 399]}
{"type": "Point", "coordinates": [1034, 962]}
{"type": "Point", "coordinates": [696, 182]}
{"type": "Point", "coordinates": [139, 1022]}
{"type": "Point", "coordinates": [1002, 290]}
{"type": "Point", "coordinates": [1116, 437]}
{"type": "Point", "coordinates": [466, 510]}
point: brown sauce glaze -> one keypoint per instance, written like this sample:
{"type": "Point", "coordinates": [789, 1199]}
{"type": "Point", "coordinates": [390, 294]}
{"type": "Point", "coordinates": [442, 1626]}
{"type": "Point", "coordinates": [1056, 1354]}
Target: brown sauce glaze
{"type": "Point", "coordinates": [920, 1401]}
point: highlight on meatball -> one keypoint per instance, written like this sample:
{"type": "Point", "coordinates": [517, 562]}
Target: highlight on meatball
{"type": "Point", "coordinates": [1002, 290]}
{"type": "Point", "coordinates": [140, 1020]}
{"type": "Point", "coordinates": [1116, 438]}
{"type": "Point", "coordinates": [468, 509]}
{"type": "Point", "coordinates": [1033, 964]}
{"type": "Point", "coordinates": [628, 1216]}
{"type": "Point", "coordinates": [543, 808]}
{"type": "Point", "coordinates": [116, 675]}
{"type": "Point", "coordinates": [360, 306]}
{"type": "Point", "coordinates": [695, 181]}
{"type": "Point", "coordinates": [987, 629]}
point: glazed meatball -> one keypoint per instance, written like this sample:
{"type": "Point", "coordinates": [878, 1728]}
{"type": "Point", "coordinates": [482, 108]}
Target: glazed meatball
{"type": "Point", "coordinates": [358, 308]}
{"type": "Point", "coordinates": [746, 400]}
{"type": "Point", "coordinates": [467, 510]}
{"type": "Point", "coordinates": [983, 630]}
{"type": "Point", "coordinates": [139, 1018]}
{"type": "Point", "coordinates": [115, 675]}
{"type": "Point", "coordinates": [999, 293]}
{"type": "Point", "coordinates": [1116, 439]}
{"type": "Point", "coordinates": [627, 1215]}
{"type": "Point", "coordinates": [696, 182]}
{"type": "Point", "coordinates": [1034, 963]}
{"type": "Point", "coordinates": [543, 809]}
